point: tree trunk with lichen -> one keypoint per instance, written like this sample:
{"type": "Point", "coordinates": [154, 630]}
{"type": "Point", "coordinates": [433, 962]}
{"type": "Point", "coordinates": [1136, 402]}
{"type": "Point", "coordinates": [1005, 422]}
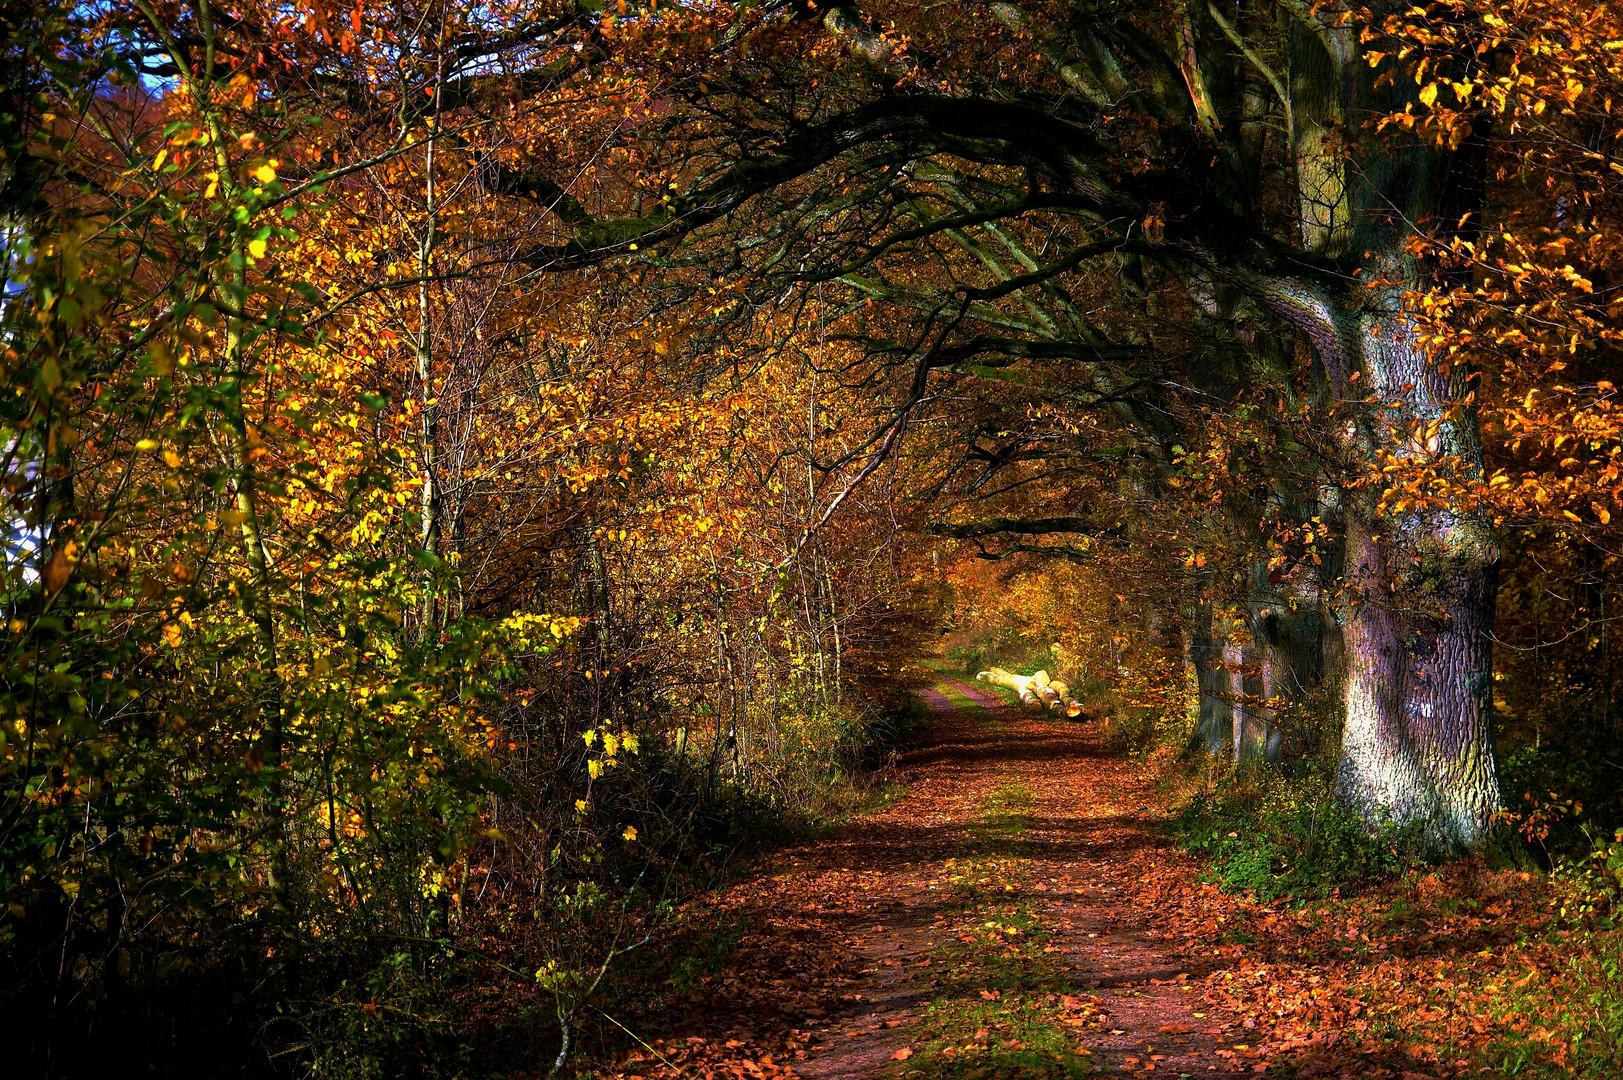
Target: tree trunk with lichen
{"type": "Point", "coordinates": [1417, 742]}
{"type": "Point", "coordinates": [1417, 589]}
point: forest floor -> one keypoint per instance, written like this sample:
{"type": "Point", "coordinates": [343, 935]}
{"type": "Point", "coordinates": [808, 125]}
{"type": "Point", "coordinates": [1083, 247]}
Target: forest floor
{"type": "Point", "coordinates": [1022, 911]}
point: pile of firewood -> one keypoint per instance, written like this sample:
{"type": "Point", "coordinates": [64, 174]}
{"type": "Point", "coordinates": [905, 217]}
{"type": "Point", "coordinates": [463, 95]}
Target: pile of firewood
{"type": "Point", "coordinates": [1036, 691]}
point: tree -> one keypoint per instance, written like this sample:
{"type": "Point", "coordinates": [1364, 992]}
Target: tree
{"type": "Point", "coordinates": [983, 180]}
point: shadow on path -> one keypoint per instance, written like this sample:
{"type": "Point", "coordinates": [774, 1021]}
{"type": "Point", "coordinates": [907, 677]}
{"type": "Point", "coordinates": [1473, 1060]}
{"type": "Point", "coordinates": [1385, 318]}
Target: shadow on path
{"type": "Point", "coordinates": [859, 950]}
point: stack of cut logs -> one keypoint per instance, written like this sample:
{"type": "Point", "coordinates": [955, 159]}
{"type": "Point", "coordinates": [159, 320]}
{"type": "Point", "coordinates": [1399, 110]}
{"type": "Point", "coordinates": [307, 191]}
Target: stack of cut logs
{"type": "Point", "coordinates": [1036, 691]}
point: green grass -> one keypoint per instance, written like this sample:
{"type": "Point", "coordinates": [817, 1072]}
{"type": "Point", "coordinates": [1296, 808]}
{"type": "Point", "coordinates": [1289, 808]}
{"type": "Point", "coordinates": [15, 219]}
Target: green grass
{"type": "Point", "coordinates": [999, 1009]}
{"type": "Point", "coordinates": [1004, 825]}
{"type": "Point", "coordinates": [969, 705]}
{"type": "Point", "coordinates": [1582, 1009]}
{"type": "Point", "coordinates": [1271, 835]}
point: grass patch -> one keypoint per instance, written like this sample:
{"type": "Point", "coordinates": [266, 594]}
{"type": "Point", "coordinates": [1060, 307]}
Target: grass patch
{"type": "Point", "coordinates": [1005, 1038]}
{"type": "Point", "coordinates": [1277, 836]}
{"type": "Point", "coordinates": [1004, 1009]}
{"type": "Point", "coordinates": [1004, 824]}
{"type": "Point", "coordinates": [967, 704]}
{"type": "Point", "coordinates": [1578, 998]}
{"type": "Point", "coordinates": [1569, 1024]}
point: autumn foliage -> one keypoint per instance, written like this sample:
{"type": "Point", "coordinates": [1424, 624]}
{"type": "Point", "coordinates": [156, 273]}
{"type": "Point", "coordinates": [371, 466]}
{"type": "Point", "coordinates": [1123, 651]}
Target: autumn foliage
{"type": "Point", "coordinates": [473, 472]}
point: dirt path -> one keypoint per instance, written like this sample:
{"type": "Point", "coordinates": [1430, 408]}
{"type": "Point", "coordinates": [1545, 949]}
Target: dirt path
{"type": "Point", "coordinates": [980, 927]}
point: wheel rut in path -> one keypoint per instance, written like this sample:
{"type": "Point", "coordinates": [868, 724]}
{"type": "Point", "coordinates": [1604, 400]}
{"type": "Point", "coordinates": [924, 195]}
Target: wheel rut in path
{"type": "Point", "coordinates": [981, 926]}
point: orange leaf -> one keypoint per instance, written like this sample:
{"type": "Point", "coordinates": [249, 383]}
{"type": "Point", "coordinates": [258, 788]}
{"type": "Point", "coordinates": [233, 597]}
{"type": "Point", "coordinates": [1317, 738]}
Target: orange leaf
{"type": "Point", "coordinates": [60, 568]}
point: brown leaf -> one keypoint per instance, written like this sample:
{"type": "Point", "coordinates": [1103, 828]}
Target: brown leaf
{"type": "Point", "coordinates": [60, 568]}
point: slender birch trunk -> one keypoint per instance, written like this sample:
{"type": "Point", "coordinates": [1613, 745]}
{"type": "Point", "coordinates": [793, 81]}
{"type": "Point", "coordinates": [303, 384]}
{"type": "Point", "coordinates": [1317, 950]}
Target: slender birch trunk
{"type": "Point", "coordinates": [423, 348]}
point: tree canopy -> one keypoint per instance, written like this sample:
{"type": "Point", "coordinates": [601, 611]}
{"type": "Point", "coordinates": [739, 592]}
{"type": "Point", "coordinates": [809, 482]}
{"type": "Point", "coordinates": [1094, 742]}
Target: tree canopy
{"type": "Point", "coordinates": [462, 462]}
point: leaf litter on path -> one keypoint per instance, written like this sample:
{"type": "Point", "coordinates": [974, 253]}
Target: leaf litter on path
{"type": "Point", "coordinates": [1020, 913]}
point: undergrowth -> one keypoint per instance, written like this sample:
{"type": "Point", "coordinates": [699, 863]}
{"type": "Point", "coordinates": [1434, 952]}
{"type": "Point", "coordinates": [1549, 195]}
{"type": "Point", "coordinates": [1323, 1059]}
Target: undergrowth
{"type": "Point", "coordinates": [1274, 835]}
{"type": "Point", "coordinates": [1568, 1022]}
{"type": "Point", "coordinates": [612, 936]}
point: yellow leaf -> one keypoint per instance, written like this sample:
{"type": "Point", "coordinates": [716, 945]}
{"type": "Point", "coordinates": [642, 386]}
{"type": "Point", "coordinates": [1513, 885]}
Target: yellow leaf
{"type": "Point", "coordinates": [1428, 95]}
{"type": "Point", "coordinates": [630, 834]}
{"type": "Point", "coordinates": [256, 249]}
{"type": "Point", "coordinates": [265, 173]}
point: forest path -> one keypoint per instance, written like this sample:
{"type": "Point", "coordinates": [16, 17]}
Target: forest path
{"type": "Point", "coordinates": [981, 927]}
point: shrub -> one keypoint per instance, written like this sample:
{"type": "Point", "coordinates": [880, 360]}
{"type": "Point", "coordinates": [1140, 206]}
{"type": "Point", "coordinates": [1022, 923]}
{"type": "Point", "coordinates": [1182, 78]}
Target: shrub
{"type": "Point", "coordinates": [1276, 835]}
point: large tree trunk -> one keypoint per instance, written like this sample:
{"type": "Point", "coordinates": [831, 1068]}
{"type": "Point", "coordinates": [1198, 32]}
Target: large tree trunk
{"type": "Point", "coordinates": [1215, 726]}
{"type": "Point", "coordinates": [1417, 745]}
{"type": "Point", "coordinates": [1291, 646]}
{"type": "Point", "coordinates": [1418, 585]}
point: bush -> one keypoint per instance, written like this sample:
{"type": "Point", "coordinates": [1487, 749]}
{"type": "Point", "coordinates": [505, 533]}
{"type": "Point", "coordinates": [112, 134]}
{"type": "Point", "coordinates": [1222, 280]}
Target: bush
{"type": "Point", "coordinates": [1275, 835]}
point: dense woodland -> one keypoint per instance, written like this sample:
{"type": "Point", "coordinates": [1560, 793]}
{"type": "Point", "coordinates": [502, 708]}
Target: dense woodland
{"type": "Point", "coordinates": [480, 474]}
